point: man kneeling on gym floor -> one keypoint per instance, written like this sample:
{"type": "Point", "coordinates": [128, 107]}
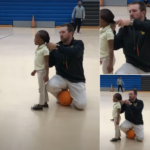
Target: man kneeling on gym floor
{"type": "Point", "coordinates": [133, 115]}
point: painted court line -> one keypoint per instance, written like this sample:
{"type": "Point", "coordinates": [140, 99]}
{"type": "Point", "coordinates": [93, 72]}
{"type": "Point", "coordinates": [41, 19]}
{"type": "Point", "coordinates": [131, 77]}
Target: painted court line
{"type": "Point", "coordinates": [6, 36]}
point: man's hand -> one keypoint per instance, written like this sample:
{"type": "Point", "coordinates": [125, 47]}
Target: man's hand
{"type": "Point", "coordinates": [122, 102]}
{"type": "Point", "coordinates": [51, 46]}
{"type": "Point", "coordinates": [100, 62]}
{"type": "Point", "coordinates": [122, 23]}
{"type": "Point", "coordinates": [110, 68]}
{"type": "Point", "coordinates": [127, 102]}
{"type": "Point", "coordinates": [33, 73]}
{"type": "Point", "coordinates": [113, 26]}
{"type": "Point", "coordinates": [112, 120]}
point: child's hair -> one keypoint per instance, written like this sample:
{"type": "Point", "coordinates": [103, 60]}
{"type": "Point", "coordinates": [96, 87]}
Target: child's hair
{"type": "Point", "coordinates": [118, 96]}
{"type": "Point", "coordinates": [107, 15]}
{"type": "Point", "coordinates": [44, 36]}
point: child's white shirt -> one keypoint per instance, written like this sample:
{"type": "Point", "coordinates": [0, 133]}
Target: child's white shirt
{"type": "Point", "coordinates": [106, 34]}
{"type": "Point", "coordinates": [116, 106]}
{"type": "Point", "coordinates": [39, 61]}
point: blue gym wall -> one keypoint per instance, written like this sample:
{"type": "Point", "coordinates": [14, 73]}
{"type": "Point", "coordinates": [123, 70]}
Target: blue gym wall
{"type": "Point", "coordinates": [129, 1]}
{"type": "Point", "coordinates": [59, 11]}
{"type": "Point", "coordinates": [130, 81]}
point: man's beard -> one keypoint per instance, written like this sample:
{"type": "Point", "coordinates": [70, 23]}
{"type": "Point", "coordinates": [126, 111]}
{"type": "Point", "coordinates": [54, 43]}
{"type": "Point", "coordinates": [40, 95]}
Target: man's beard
{"type": "Point", "coordinates": [131, 99]}
{"type": "Point", "coordinates": [139, 18]}
{"type": "Point", "coordinates": [64, 40]}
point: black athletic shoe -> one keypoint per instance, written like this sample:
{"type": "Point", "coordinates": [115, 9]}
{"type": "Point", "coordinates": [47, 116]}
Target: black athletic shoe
{"type": "Point", "coordinates": [37, 107]}
{"type": "Point", "coordinates": [45, 105]}
{"type": "Point", "coordinates": [114, 140]}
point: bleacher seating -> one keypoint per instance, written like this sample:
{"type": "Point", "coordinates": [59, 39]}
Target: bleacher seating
{"type": "Point", "coordinates": [43, 10]}
{"type": "Point", "coordinates": [130, 81]}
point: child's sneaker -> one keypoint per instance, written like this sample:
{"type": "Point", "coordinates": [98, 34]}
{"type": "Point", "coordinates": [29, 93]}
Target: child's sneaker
{"type": "Point", "coordinates": [37, 107]}
{"type": "Point", "coordinates": [114, 140]}
{"type": "Point", "coordinates": [45, 105]}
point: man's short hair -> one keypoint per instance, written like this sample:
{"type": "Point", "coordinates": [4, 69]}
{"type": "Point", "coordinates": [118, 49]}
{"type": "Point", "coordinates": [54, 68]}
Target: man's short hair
{"type": "Point", "coordinates": [142, 6]}
{"type": "Point", "coordinates": [69, 27]}
{"type": "Point", "coordinates": [134, 91]}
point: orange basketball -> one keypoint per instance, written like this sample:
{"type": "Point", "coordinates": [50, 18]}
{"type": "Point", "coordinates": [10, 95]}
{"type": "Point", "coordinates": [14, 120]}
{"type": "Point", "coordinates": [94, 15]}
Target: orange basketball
{"type": "Point", "coordinates": [64, 98]}
{"type": "Point", "coordinates": [131, 134]}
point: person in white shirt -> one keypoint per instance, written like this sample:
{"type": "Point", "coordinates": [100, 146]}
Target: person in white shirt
{"type": "Point", "coordinates": [41, 67]}
{"type": "Point", "coordinates": [116, 116]}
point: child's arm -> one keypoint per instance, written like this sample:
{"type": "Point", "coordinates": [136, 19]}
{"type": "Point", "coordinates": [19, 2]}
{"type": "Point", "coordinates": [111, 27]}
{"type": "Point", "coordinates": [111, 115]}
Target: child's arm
{"type": "Point", "coordinates": [46, 78]}
{"type": "Point", "coordinates": [118, 116]}
{"type": "Point", "coordinates": [111, 55]}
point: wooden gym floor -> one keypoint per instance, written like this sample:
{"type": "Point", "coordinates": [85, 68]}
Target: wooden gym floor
{"type": "Point", "coordinates": [56, 128]}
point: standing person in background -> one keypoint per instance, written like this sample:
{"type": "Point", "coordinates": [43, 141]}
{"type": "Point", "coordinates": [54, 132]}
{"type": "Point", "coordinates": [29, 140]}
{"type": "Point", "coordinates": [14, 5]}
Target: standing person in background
{"type": "Point", "coordinates": [120, 83]}
{"type": "Point", "coordinates": [79, 13]}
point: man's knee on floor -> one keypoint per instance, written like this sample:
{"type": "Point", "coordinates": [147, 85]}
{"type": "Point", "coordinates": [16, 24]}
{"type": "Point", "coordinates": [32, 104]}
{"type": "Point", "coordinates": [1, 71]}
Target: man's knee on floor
{"type": "Point", "coordinates": [80, 105]}
{"type": "Point", "coordinates": [140, 138]}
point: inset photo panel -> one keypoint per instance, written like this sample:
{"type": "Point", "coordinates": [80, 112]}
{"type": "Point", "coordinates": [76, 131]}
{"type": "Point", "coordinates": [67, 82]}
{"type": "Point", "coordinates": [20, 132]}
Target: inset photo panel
{"type": "Point", "coordinates": [124, 37]}
{"type": "Point", "coordinates": [124, 112]}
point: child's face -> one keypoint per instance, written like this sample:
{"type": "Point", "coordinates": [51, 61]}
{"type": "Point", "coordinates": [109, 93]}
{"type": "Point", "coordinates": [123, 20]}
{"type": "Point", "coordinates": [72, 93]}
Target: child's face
{"type": "Point", "coordinates": [115, 99]}
{"type": "Point", "coordinates": [38, 40]}
{"type": "Point", "coordinates": [102, 23]}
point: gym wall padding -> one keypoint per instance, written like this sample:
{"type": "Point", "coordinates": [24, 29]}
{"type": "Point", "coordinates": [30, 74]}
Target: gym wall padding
{"type": "Point", "coordinates": [145, 83]}
{"type": "Point", "coordinates": [130, 81]}
{"type": "Point", "coordinates": [59, 11]}
{"type": "Point", "coordinates": [130, 1]}
{"type": "Point", "coordinates": [90, 0]}
{"type": "Point", "coordinates": [115, 2]}
{"type": "Point", "coordinates": [92, 13]}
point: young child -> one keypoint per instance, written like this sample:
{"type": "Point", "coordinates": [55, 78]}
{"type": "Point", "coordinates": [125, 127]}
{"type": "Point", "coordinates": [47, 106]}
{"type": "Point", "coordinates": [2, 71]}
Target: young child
{"type": "Point", "coordinates": [41, 67]}
{"type": "Point", "coordinates": [116, 116]}
{"type": "Point", "coordinates": [107, 59]}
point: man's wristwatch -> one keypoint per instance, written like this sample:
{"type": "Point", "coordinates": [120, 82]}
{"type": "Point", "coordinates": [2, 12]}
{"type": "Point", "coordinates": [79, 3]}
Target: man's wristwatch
{"type": "Point", "coordinates": [131, 22]}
